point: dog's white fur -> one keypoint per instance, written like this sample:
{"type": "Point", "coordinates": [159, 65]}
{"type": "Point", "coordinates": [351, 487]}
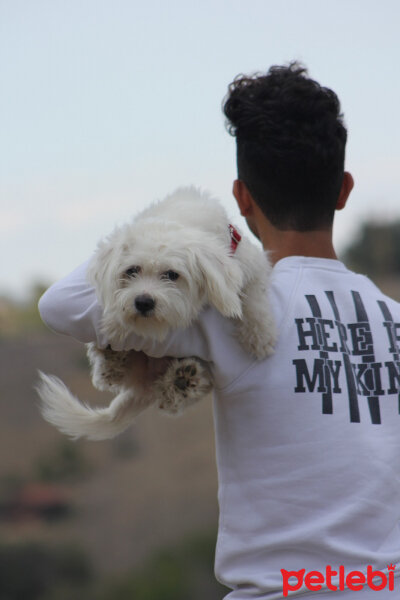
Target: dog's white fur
{"type": "Point", "coordinates": [187, 234]}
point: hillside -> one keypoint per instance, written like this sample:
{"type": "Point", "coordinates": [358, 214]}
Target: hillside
{"type": "Point", "coordinates": [128, 496]}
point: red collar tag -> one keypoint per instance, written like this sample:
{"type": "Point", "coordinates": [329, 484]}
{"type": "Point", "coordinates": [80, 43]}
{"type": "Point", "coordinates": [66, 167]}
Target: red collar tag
{"type": "Point", "coordinates": [235, 238]}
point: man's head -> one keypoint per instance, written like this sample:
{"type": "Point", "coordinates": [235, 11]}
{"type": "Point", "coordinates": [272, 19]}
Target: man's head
{"type": "Point", "coordinates": [290, 146]}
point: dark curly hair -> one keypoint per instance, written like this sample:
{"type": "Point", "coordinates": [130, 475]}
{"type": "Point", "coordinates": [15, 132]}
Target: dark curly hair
{"type": "Point", "coordinates": [291, 143]}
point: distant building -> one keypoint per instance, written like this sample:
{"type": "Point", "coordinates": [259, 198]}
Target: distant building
{"type": "Point", "coordinates": [35, 501]}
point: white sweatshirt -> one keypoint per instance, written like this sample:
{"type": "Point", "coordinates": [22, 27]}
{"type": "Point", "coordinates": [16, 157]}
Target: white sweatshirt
{"type": "Point", "coordinates": [308, 441]}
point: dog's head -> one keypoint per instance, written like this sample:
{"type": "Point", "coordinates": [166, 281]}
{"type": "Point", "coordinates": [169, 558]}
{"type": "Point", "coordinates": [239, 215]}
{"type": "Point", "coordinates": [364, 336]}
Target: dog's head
{"type": "Point", "coordinates": [154, 276]}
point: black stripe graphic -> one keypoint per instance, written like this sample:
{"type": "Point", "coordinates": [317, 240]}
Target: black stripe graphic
{"type": "Point", "coordinates": [327, 402]}
{"type": "Point", "coordinates": [362, 317]}
{"type": "Point", "coordinates": [348, 369]}
{"type": "Point", "coordinates": [389, 324]}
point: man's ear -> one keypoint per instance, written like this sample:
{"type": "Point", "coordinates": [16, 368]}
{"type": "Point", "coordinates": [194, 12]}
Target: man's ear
{"type": "Point", "coordinates": [243, 198]}
{"type": "Point", "coordinates": [247, 206]}
{"type": "Point", "coordinates": [345, 190]}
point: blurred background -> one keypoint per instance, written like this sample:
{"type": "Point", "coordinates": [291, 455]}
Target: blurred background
{"type": "Point", "coordinates": [106, 106]}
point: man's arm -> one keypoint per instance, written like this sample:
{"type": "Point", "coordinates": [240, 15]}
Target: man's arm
{"type": "Point", "coordinates": [70, 307]}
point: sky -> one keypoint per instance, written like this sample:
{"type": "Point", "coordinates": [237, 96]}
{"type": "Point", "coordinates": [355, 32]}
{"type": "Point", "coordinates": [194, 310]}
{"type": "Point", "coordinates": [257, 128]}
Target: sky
{"type": "Point", "coordinates": [108, 105]}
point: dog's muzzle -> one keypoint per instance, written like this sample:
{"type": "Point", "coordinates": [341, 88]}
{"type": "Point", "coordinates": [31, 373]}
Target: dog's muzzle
{"type": "Point", "coordinates": [144, 304]}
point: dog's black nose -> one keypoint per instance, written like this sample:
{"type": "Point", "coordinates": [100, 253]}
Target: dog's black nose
{"type": "Point", "coordinates": [144, 303]}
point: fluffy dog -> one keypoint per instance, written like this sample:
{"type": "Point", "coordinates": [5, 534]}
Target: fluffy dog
{"type": "Point", "coordinates": [152, 276]}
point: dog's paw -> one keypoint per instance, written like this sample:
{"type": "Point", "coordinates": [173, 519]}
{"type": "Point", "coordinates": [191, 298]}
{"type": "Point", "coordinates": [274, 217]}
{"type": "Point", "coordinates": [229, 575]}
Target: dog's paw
{"type": "Point", "coordinates": [185, 382]}
{"type": "Point", "coordinates": [258, 338]}
{"type": "Point", "coordinates": [109, 367]}
{"type": "Point", "coordinates": [186, 377]}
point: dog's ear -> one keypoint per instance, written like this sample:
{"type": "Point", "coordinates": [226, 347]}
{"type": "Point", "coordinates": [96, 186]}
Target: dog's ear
{"type": "Point", "coordinates": [100, 270]}
{"type": "Point", "coordinates": [221, 278]}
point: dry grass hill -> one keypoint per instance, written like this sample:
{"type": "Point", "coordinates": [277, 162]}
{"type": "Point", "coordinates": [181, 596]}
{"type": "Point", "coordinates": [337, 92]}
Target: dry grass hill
{"type": "Point", "coordinates": [126, 497]}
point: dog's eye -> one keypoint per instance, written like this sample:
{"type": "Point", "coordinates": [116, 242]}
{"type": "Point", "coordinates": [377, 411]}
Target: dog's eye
{"type": "Point", "coordinates": [171, 275]}
{"type": "Point", "coordinates": [132, 271]}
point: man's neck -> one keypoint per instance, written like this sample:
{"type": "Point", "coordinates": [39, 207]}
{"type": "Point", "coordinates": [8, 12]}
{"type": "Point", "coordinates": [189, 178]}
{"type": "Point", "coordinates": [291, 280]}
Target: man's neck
{"type": "Point", "coordinates": [297, 243]}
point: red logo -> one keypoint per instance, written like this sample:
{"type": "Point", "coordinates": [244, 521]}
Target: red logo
{"type": "Point", "coordinates": [354, 580]}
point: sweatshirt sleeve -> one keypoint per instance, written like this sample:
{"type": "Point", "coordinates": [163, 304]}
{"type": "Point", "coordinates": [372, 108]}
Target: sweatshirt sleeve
{"type": "Point", "coordinates": [70, 307]}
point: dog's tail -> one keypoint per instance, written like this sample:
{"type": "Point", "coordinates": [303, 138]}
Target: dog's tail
{"type": "Point", "coordinates": [62, 409]}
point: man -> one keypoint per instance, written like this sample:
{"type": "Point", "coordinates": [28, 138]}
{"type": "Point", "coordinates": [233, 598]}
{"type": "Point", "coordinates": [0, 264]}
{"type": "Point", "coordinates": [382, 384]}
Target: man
{"type": "Point", "coordinates": [308, 441]}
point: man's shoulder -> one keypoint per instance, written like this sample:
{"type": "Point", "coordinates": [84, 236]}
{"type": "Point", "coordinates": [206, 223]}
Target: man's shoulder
{"type": "Point", "coordinates": [320, 286]}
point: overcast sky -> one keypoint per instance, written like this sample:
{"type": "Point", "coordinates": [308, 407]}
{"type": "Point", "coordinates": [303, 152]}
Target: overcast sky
{"type": "Point", "coordinates": [106, 105]}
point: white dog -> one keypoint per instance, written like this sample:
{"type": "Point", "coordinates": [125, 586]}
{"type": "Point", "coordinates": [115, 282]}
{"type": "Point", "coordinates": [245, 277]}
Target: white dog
{"type": "Point", "coordinates": [154, 275]}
